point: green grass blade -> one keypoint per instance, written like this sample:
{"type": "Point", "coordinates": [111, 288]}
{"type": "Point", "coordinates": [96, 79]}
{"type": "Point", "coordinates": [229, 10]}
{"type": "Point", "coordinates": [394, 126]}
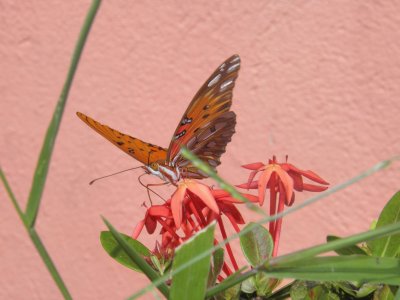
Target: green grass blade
{"type": "Point", "coordinates": [338, 268]}
{"type": "Point", "coordinates": [309, 253]}
{"type": "Point", "coordinates": [337, 244]}
{"type": "Point", "coordinates": [362, 268]}
{"type": "Point", "coordinates": [12, 197]}
{"type": "Point", "coordinates": [48, 262]}
{"type": "Point", "coordinates": [42, 166]}
{"type": "Point", "coordinates": [37, 242]}
{"type": "Point", "coordinates": [137, 258]}
{"type": "Point", "coordinates": [191, 282]}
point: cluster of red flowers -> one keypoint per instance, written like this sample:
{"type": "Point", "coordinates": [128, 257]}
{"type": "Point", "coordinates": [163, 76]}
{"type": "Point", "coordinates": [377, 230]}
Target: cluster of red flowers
{"type": "Point", "coordinates": [194, 205]}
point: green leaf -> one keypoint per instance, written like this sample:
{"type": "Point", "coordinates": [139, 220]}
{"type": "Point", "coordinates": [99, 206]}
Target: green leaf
{"type": "Point", "coordinates": [112, 247]}
{"type": "Point", "coordinates": [350, 250]}
{"type": "Point", "coordinates": [248, 286]}
{"type": "Point", "coordinates": [137, 259]}
{"type": "Point", "coordinates": [388, 246]}
{"type": "Point", "coordinates": [299, 290]}
{"type": "Point", "coordinates": [397, 297]}
{"type": "Point", "coordinates": [233, 293]}
{"type": "Point", "coordinates": [383, 293]}
{"type": "Point", "coordinates": [191, 282]}
{"type": "Point", "coordinates": [338, 268]}
{"type": "Point", "coordinates": [216, 266]}
{"type": "Point", "coordinates": [257, 244]}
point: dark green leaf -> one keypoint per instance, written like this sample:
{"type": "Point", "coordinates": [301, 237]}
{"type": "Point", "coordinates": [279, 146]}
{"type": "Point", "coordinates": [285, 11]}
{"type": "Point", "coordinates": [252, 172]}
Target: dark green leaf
{"type": "Point", "coordinates": [117, 252]}
{"type": "Point", "coordinates": [137, 259]}
{"type": "Point", "coordinates": [388, 246]}
{"type": "Point", "coordinates": [191, 281]}
{"type": "Point", "coordinates": [257, 244]}
{"type": "Point", "coordinates": [216, 266]}
{"type": "Point", "coordinates": [350, 250]}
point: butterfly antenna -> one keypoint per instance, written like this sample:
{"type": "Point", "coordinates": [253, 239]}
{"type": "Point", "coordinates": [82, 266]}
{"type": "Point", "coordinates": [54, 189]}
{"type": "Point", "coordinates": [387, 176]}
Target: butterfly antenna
{"type": "Point", "coordinates": [94, 180]}
{"type": "Point", "coordinates": [146, 186]}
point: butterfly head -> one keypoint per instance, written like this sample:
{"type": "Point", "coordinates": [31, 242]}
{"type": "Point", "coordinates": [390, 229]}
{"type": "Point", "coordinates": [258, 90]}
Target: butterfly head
{"type": "Point", "coordinates": [154, 166]}
{"type": "Point", "coordinates": [163, 172]}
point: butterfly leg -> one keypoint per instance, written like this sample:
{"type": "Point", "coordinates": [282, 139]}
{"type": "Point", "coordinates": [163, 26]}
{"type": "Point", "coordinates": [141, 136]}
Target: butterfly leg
{"type": "Point", "coordinates": [147, 186]}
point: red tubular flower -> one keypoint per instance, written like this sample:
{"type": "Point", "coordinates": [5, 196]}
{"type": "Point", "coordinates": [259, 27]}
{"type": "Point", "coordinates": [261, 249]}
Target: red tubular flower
{"type": "Point", "coordinates": [192, 207]}
{"type": "Point", "coordinates": [281, 179]}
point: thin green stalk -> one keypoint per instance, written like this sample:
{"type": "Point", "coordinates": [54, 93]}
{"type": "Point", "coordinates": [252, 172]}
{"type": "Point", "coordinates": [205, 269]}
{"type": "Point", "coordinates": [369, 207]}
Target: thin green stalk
{"type": "Point", "coordinates": [43, 163]}
{"type": "Point", "coordinates": [49, 263]}
{"type": "Point", "coordinates": [12, 196]}
{"type": "Point", "coordinates": [37, 242]}
{"type": "Point", "coordinates": [305, 254]}
{"type": "Point", "coordinates": [29, 217]}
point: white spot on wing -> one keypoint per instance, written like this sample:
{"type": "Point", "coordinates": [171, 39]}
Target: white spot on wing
{"type": "Point", "coordinates": [225, 85]}
{"type": "Point", "coordinates": [214, 80]}
{"type": "Point", "coordinates": [233, 67]}
{"type": "Point", "coordinates": [236, 59]}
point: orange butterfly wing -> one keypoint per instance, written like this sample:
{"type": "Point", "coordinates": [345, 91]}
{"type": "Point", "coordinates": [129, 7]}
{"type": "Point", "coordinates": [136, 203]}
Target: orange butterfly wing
{"type": "Point", "coordinates": [207, 125]}
{"type": "Point", "coordinates": [144, 152]}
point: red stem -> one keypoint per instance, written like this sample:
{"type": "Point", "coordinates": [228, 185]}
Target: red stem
{"type": "Point", "coordinates": [227, 245]}
{"type": "Point", "coordinates": [278, 224]}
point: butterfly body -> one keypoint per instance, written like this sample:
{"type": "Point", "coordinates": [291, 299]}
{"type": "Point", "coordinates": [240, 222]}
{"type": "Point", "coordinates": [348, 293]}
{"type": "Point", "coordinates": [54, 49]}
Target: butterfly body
{"type": "Point", "coordinates": [205, 129]}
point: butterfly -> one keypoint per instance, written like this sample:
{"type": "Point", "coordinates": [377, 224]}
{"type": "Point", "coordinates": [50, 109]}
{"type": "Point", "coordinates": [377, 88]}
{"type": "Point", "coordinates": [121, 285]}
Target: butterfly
{"type": "Point", "coordinates": [205, 129]}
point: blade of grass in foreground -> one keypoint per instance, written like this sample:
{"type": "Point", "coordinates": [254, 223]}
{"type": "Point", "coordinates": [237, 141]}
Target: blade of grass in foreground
{"type": "Point", "coordinates": [42, 166]}
{"type": "Point", "coordinates": [39, 179]}
{"type": "Point", "coordinates": [299, 256]}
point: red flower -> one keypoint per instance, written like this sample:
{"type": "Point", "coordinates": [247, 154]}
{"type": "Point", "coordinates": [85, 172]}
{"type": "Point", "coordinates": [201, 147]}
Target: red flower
{"type": "Point", "coordinates": [281, 179]}
{"type": "Point", "coordinates": [192, 207]}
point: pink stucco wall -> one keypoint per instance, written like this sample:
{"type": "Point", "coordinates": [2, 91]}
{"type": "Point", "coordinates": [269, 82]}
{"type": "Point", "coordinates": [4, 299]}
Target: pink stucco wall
{"type": "Point", "coordinates": [320, 81]}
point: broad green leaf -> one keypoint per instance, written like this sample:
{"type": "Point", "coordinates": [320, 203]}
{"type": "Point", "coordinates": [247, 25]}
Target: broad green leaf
{"type": "Point", "coordinates": [112, 247]}
{"type": "Point", "coordinates": [191, 281]}
{"type": "Point", "coordinates": [217, 261]}
{"type": "Point", "coordinates": [339, 268]}
{"type": "Point", "coordinates": [137, 259]}
{"type": "Point", "coordinates": [388, 246]}
{"type": "Point", "coordinates": [257, 244]}
{"type": "Point", "coordinates": [350, 250]}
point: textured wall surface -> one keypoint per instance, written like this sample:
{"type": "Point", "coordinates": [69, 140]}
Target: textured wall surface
{"type": "Point", "coordinates": [320, 81]}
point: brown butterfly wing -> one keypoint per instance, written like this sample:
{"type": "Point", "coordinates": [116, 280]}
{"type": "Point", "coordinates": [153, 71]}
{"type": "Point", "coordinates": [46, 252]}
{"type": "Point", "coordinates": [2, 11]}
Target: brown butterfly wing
{"type": "Point", "coordinates": [207, 125]}
{"type": "Point", "coordinates": [144, 152]}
